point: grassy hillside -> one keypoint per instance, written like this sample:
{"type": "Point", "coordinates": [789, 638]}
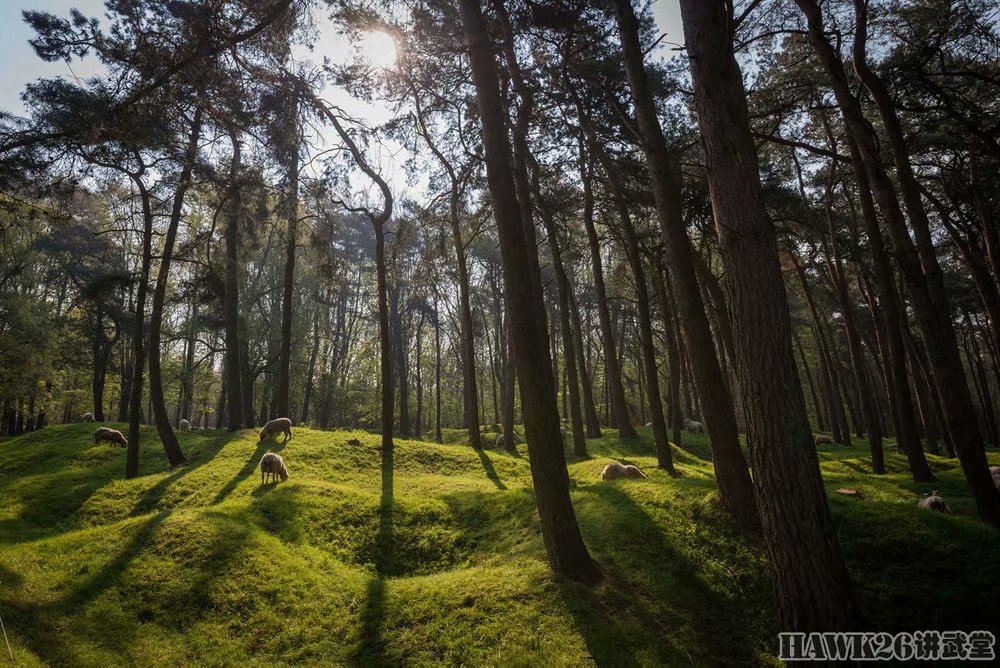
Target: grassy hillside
{"type": "Point", "coordinates": [433, 557]}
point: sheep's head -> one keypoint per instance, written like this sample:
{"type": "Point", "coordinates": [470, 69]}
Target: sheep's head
{"type": "Point", "coordinates": [284, 474]}
{"type": "Point", "coordinates": [124, 443]}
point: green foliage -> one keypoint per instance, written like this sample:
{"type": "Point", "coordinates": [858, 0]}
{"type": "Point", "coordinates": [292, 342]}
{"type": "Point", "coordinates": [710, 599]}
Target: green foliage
{"type": "Point", "coordinates": [433, 557]}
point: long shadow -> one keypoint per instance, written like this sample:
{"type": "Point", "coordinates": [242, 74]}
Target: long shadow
{"type": "Point", "coordinates": [623, 623]}
{"type": "Point", "coordinates": [371, 649]}
{"type": "Point", "coordinates": [249, 467]}
{"type": "Point", "coordinates": [491, 472]}
{"type": "Point", "coordinates": [198, 456]}
{"type": "Point", "coordinates": [40, 632]}
{"type": "Point", "coordinates": [44, 627]}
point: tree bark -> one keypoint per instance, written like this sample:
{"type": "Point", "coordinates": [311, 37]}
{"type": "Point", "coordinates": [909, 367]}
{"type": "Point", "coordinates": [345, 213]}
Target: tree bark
{"type": "Point", "coordinates": [612, 372]}
{"type": "Point", "coordinates": [231, 299]}
{"type": "Point", "coordinates": [730, 466]}
{"type": "Point", "coordinates": [288, 282]}
{"type": "Point", "coordinates": [170, 445]}
{"type": "Point", "coordinates": [564, 545]}
{"type": "Point", "coordinates": [810, 576]}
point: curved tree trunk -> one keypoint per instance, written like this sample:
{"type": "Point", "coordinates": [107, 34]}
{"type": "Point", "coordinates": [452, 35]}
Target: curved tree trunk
{"type": "Point", "coordinates": [730, 466]}
{"type": "Point", "coordinates": [564, 545]}
{"type": "Point", "coordinates": [170, 445]}
{"type": "Point", "coordinates": [811, 579]}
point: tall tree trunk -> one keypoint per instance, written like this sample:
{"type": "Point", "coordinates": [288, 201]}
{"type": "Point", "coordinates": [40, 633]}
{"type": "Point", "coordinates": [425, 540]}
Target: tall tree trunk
{"type": "Point", "coordinates": [828, 366]}
{"type": "Point", "coordinates": [592, 422]}
{"type": "Point", "coordinates": [866, 396]}
{"type": "Point", "coordinates": [437, 374]}
{"type": "Point", "coordinates": [675, 418]}
{"type": "Point", "coordinates": [399, 348]}
{"type": "Point", "coordinates": [231, 299]}
{"type": "Point", "coordinates": [100, 363]}
{"type": "Point", "coordinates": [139, 336]}
{"type": "Point", "coordinates": [663, 456]}
{"type": "Point", "coordinates": [569, 353]}
{"type": "Point", "coordinates": [810, 576]}
{"type": "Point", "coordinates": [310, 372]}
{"type": "Point", "coordinates": [730, 467]}
{"type": "Point", "coordinates": [288, 282]}
{"type": "Point", "coordinates": [612, 372]}
{"type": "Point", "coordinates": [385, 343]}
{"type": "Point", "coordinates": [564, 545]}
{"type": "Point", "coordinates": [419, 419]}
{"type": "Point", "coordinates": [906, 437]}
{"type": "Point", "coordinates": [820, 421]}
{"type": "Point", "coordinates": [170, 445]}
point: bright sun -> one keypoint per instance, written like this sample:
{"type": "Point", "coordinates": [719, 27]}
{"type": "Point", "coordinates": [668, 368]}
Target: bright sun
{"type": "Point", "coordinates": [379, 49]}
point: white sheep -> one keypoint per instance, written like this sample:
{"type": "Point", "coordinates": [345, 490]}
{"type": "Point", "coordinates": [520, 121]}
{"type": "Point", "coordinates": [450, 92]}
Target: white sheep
{"type": "Point", "coordinates": [184, 425]}
{"type": "Point", "coordinates": [823, 439]}
{"type": "Point", "coordinates": [614, 471]}
{"type": "Point", "coordinates": [111, 436]}
{"type": "Point", "coordinates": [995, 472]}
{"type": "Point", "coordinates": [935, 503]}
{"type": "Point", "coordinates": [500, 442]}
{"type": "Point", "coordinates": [275, 427]}
{"type": "Point", "coordinates": [692, 425]}
{"type": "Point", "coordinates": [273, 466]}
{"type": "Point", "coordinates": [649, 424]}
{"type": "Point", "coordinates": [88, 417]}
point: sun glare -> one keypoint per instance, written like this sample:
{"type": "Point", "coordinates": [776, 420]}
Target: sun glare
{"type": "Point", "coordinates": [379, 49]}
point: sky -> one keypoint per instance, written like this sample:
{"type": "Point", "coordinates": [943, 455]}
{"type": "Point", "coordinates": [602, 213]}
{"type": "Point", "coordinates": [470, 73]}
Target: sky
{"type": "Point", "coordinates": [19, 65]}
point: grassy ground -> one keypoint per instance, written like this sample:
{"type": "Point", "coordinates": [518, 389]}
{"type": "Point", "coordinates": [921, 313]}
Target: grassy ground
{"type": "Point", "coordinates": [433, 557]}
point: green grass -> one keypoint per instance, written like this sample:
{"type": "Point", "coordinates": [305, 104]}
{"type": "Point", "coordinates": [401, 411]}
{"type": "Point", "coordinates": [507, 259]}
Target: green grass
{"type": "Point", "coordinates": [434, 557]}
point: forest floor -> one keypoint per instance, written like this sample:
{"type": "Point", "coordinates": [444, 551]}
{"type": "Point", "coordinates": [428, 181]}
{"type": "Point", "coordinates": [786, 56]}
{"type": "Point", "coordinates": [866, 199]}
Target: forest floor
{"type": "Point", "coordinates": [434, 557]}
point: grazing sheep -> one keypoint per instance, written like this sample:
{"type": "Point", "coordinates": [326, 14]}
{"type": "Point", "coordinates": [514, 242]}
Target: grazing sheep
{"type": "Point", "coordinates": [614, 471]}
{"type": "Point", "coordinates": [935, 503]}
{"type": "Point", "coordinates": [110, 435]}
{"type": "Point", "coordinates": [500, 442]}
{"type": "Point", "coordinates": [88, 417]}
{"type": "Point", "coordinates": [275, 427]}
{"type": "Point", "coordinates": [272, 465]}
{"type": "Point", "coordinates": [184, 425]}
{"type": "Point", "coordinates": [691, 425]}
{"type": "Point", "coordinates": [823, 439]}
{"type": "Point", "coordinates": [995, 472]}
{"type": "Point", "coordinates": [353, 441]}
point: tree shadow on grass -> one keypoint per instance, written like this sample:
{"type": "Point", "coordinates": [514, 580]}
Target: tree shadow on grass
{"type": "Point", "coordinates": [197, 456]}
{"type": "Point", "coordinates": [249, 467]}
{"type": "Point", "coordinates": [654, 605]}
{"type": "Point", "coordinates": [40, 625]}
{"type": "Point", "coordinates": [372, 644]}
{"type": "Point", "coordinates": [491, 472]}
{"type": "Point", "coordinates": [49, 629]}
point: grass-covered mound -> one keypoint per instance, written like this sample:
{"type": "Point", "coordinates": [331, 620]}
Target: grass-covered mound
{"type": "Point", "coordinates": [433, 557]}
